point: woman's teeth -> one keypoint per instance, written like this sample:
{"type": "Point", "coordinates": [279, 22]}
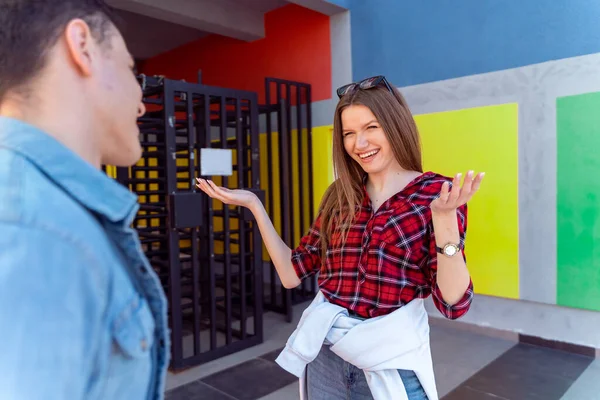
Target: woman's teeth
{"type": "Point", "coordinates": [369, 154]}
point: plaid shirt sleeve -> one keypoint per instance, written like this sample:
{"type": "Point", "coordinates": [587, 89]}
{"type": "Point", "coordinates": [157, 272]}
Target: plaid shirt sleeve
{"type": "Point", "coordinates": [306, 258]}
{"type": "Point", "coordinates": [462, 306]}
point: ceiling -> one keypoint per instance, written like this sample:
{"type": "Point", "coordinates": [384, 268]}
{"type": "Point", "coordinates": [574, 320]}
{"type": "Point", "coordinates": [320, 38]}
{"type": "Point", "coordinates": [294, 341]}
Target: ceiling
{"type": "Point", "coordinates": [147, 36]}
{"type": "Point", "coordinates": [152, 27]}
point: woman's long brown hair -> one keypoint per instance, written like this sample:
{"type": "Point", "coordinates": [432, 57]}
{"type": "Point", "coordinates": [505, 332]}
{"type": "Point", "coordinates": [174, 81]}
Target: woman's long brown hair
{"type": "Point", "coordinates": [345, 195]}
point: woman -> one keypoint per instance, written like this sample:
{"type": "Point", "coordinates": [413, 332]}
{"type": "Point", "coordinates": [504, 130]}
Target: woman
{"type": "Point", "coordinates": [386, 236]}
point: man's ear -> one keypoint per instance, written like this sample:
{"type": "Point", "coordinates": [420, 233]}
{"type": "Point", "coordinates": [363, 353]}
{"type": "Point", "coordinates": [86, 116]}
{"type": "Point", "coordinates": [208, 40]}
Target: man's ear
{"type": "Point", "coordinates": [81, 45]}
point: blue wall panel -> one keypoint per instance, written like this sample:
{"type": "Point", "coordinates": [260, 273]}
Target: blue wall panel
{"type": "Point", "coordinates": [418, 41]}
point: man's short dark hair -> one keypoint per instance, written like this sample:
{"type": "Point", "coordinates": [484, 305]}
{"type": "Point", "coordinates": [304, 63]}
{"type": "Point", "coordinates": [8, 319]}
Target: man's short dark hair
{"type": "Point", "coordinates": [29, 28]}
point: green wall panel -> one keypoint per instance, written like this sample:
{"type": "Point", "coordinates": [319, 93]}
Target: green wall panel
{"type": "Point", "coordinates": [578, 201]}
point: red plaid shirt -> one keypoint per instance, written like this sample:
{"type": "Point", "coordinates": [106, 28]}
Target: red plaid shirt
{"type": "Point", "coordinates": [389, 257]}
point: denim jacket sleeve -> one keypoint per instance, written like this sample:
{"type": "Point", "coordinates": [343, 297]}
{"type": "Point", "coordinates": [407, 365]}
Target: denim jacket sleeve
{"type": "Point", "coordinates": [51, 310]}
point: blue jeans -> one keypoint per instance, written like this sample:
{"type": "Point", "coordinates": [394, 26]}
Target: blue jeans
{"type": "Point", "coordinates": [331, 378]}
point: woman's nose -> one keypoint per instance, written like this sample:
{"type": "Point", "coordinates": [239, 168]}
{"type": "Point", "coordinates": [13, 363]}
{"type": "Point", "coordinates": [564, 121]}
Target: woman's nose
{"type": "Point", "coordinates": [361, 141]}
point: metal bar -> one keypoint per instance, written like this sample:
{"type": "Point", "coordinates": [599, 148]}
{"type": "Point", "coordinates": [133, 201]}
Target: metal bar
{"type": "Point", "coordinates": [300, 165]}
{"type": "Point", "coordinates": [151, 169]}
{"type": "Point", "coordinates": [310, 162]}
{"type": "Point", "coordinates": [270, 202]}
{"type": "Point", "coordinates": [227, 245]}
{"type": "Point", "coordinates": [284, 81]}
{"type": "Point", "coordinates": [148, 193]}
{"type": "Point", "coordinates": [218, 353]}
{"type": "Point", "coordinates": [282, 192]}
{"type": "Point", "coordinates": [311, 212]}
{"type": "Point", "coordinates": [269, 152]}
{"type": "Point", "coordinates": [144, 181]}
{"type": "Point", "coordinates": [300, 162]}
{"type": "Point", "coordinates": [194, 233]}
{"type": "Point", "coordinates": [214, 90]}
{"type": "Point", "coordinates": [211, 244]}
{"type": "Point", "coordinates": [290, 294]}
{"type": "Point", "coordinates": [284, 174]}
{"type": "Point", "coordinates": [257, 240]}
{"type": "Point", "coordinates": [174, 265]}
{"type": "Point", "coordinates": [288, 153]}
{"type": "Point", "coordinates": [151, 216]}
{"type": "Point", "coordinates": [155, 154]}
{"type": "Point", "coordinates": [240, 137]}
{"type": "Point", "coordinates": [123, 176]}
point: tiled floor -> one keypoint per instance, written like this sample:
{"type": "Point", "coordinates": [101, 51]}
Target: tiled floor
{"type": "Point", "coordinates": [274, 338]}
{"type": "Point", "coordinates": [468, 366]}
{"type": "Point", "coordinates": [587, 386]}
{"type": "Point", "coordinates": [524, 372]}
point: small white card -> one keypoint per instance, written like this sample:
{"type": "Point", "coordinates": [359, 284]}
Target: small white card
{"type": "Point", "coordinates": [216, 162]}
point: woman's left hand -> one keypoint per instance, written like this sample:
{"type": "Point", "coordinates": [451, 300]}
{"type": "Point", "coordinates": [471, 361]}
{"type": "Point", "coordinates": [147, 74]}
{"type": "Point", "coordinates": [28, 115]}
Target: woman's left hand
{"type": "Point", "coordinates": [450, 200]}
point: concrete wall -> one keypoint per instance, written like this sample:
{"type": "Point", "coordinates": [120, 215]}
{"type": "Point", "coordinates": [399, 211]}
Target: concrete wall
{"type": "Point", "coordinates": [541, 278]}
{"type": "Point", "coordinates": [509, 88]}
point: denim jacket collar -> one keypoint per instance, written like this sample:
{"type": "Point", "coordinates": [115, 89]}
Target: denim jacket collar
{"type": "Point", "coordinates": [86, 184]}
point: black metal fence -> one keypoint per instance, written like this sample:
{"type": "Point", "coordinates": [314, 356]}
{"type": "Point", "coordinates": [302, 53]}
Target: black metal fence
{"type": "Point", "coordinates": [208, 256]}
{"type": "Point", "coordinates": [289, 136]}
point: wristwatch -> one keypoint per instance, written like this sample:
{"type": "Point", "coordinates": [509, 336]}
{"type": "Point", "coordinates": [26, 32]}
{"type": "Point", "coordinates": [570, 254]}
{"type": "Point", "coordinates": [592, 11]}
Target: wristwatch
{"type": "Point", "coordinates": [450, 249]}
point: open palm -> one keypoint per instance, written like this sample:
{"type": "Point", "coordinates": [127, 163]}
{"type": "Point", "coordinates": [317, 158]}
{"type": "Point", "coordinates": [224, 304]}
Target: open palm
{"type": "Point", "coordinates": [450, 200]}
{"type": "Point", "coordinates": [236, 197]}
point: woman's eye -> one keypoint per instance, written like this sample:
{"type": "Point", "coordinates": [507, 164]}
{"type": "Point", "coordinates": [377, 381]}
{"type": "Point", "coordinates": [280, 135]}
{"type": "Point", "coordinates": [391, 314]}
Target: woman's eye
{"type": "Point", "coordinates": [348, 133]}
{"type": "Point", "coordinates": [372, 127]}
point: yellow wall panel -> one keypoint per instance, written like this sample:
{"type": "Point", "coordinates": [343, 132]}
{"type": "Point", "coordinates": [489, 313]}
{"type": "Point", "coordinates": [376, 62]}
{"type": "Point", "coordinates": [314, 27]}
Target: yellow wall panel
{"type": "Point", "coordinates": [484, 139]}
{"type": "Point", "coordinates": [322, 176]}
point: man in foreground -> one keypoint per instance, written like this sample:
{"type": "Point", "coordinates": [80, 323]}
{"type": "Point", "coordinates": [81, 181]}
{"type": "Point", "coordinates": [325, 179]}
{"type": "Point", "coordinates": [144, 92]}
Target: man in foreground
{"type": "Point", "coordinates": [82, 315]}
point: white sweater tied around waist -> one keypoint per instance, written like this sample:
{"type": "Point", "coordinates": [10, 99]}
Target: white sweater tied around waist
{"type": "Point", "coordinates": [379, 346]}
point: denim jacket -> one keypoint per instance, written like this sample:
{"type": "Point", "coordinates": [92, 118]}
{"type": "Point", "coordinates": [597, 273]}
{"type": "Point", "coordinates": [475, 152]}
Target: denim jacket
{"type": "Point", "coordinates": [82, 314]}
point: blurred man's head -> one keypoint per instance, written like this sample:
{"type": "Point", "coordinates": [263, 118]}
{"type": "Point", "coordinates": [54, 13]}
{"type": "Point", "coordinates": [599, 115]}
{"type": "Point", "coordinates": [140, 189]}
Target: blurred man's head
{"type": "Point", "coordinates": [65, 68]}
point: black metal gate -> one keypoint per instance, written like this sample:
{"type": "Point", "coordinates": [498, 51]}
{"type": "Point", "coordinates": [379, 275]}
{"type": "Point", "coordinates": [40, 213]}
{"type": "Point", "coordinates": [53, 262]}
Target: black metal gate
{"type": "Point", "coordinates": [289, 134]}
{"type": "Point", "coordinates": [208, 256]}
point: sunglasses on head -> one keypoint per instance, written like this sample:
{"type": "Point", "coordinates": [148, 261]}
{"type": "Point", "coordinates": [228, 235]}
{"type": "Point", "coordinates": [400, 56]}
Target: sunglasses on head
{"type": "Point", "coordinates": [365, 84]}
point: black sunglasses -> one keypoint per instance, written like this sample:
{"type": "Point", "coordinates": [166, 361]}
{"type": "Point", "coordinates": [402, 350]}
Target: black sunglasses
{"type": "Point", "coordinates": [367, 83]}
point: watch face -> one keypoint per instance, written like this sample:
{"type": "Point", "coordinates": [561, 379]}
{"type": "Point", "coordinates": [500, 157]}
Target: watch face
{"type": "Point", "coordinates": [450, 250]}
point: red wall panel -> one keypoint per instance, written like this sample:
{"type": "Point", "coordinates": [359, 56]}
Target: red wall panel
{"type": "Point", "coordinates": [296, 46]}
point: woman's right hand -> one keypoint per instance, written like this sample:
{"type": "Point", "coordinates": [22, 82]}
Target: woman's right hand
{"type": "Point", "coordinates": [236, 197]}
